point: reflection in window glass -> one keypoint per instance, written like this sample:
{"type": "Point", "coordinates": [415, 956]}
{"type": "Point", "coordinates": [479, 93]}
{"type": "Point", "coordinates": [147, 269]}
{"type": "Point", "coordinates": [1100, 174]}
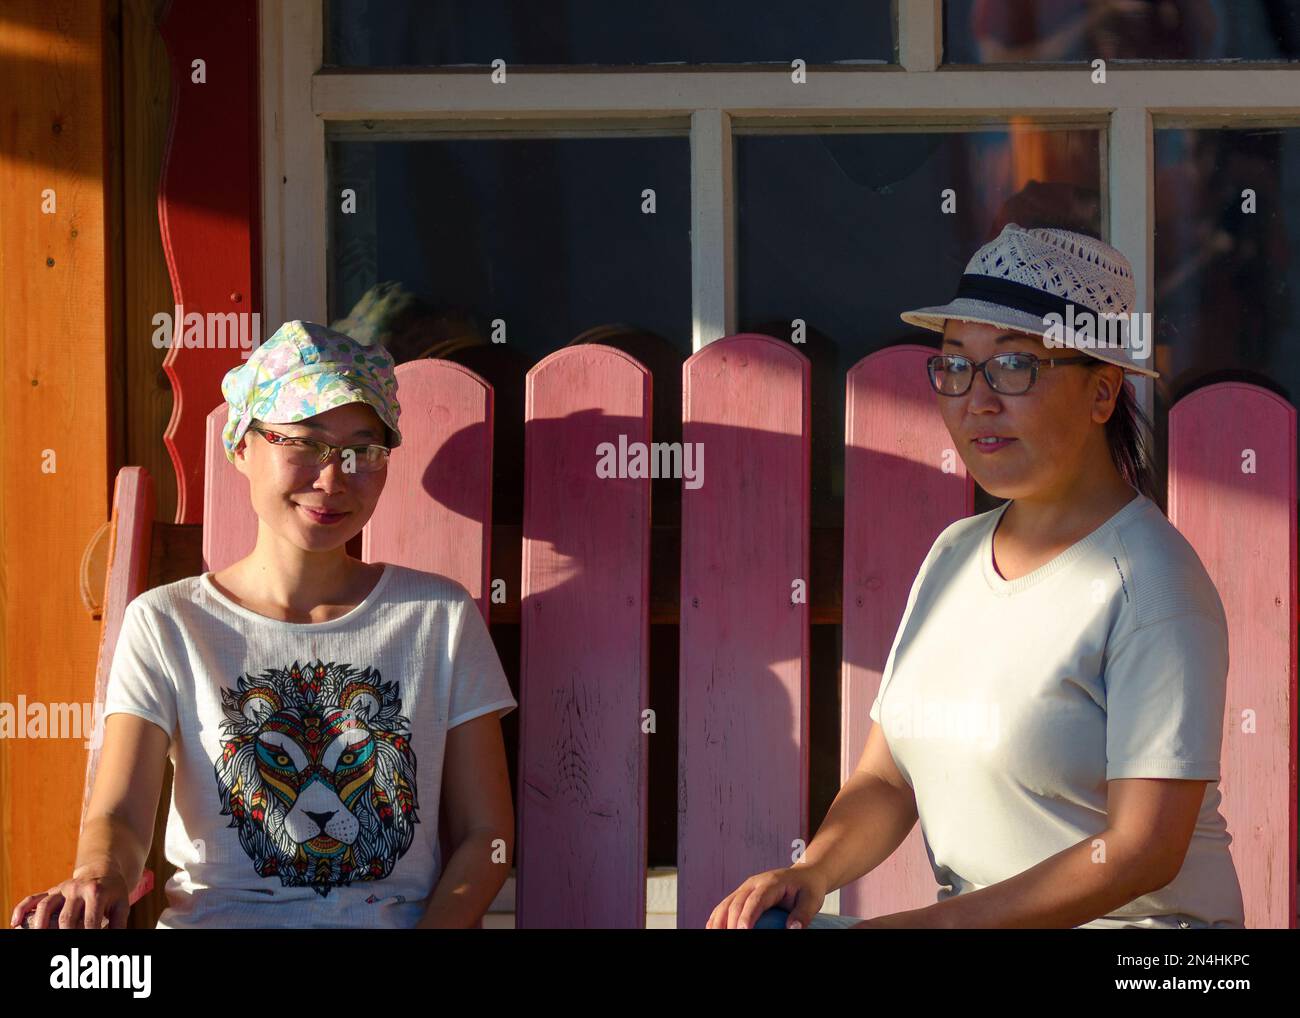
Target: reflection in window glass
{"type": "Point", "coordinates": [395, 33]}
{"type": "Point", "coordinates": [548, 237]}
{"type": "Point", "coordinates": [845, 231]}
{"type": "Point", "coordinates": [1227, 280]}
{"type": "Point", "coordinates": [1053, 31]}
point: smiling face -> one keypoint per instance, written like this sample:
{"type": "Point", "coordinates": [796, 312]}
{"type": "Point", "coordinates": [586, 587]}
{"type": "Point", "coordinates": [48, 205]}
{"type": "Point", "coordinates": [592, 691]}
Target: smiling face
{"type": "Point", "coordinates": [282, 493]}
{"type": "Point", "coordinates": [1050, 435]}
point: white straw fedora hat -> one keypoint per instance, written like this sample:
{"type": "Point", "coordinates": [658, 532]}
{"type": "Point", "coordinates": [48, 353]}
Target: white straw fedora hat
{"type": "Point", "coordinates": [1073, 290]}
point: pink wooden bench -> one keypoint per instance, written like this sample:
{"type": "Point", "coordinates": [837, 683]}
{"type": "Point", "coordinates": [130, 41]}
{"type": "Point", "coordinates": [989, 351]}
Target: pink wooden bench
{"type": "Point", "coordinates": [585, 596]}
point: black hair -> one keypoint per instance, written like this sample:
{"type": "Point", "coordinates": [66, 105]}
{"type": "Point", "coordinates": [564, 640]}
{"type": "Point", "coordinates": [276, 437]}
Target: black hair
{"type": "Point", "coordinates": [1128, 436]}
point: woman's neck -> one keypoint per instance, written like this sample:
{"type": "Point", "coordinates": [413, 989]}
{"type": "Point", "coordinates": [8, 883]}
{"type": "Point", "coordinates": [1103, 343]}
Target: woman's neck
{"type": "Point", "coordinates": [1045, 520]}
{"type": "Point", "coordinates": [312, 587]}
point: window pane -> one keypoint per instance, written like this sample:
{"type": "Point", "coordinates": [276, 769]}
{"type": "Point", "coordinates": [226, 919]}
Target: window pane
{"type": "Point", "coordinates": [847, 230]}
{"type": "Point", "coordinates": [396, 33]}
{"type": "Point", "coordinates": [1054, 31]}
{"type": "Point", "coordinates": [1227, 280]}
{"type": "Point", "coordinates": [546, 236]}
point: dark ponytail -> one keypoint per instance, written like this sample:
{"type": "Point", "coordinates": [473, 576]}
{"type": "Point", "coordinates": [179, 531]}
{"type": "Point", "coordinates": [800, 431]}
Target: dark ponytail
{"type": "Point", "coordinates": [1128, 434]}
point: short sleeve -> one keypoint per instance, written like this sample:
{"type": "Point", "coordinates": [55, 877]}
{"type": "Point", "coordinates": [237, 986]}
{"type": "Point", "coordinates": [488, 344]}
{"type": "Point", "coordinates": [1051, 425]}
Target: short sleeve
{"type": "Point", "coordinates": [478, 683]}
{"type": "Point", "coordinates": [1166, 684]}
{"type": "Point", "coordinates": [902, 626]}
{"type": "Point", "coordinates": [139, 681]}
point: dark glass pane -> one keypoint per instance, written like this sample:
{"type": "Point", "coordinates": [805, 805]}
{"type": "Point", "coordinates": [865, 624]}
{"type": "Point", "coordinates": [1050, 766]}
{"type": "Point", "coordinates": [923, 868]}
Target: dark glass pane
{"type": "Point", "coordinates": [1057, 31]}
{"type": "Point", "coordinates": [547, 235]}
{"type": "Point", "coordinates": [397, 33]}
{"type": "Point", "coordinates": [1227, 301]}
{"type": "Point", "coordinates": [845, 231]}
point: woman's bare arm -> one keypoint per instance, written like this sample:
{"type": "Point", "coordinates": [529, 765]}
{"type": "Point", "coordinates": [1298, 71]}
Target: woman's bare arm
{"type": "Point", "coordinates": [476, 795]}
{"type": "Point", "coordinates": [870, 817]}
{"type": "Point", "coordinates": [118, 829]}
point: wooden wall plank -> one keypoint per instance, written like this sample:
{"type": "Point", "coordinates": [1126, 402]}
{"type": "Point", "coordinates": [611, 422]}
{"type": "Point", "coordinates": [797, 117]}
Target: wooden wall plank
{"type": "Point", "coordinates": [903, 484]}
{"type": "Point", "coordinates": [1238, 511]}
{"type": "Point", "coordinates": [743, 749]}
{"type": "Point", "coordinates": [581, 856]}
{"type": "Point", "coordinates": [55, 322]}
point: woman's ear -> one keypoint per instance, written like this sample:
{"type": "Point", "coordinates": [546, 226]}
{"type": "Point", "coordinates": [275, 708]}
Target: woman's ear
{"type": "Point", "coordinates": [1107, 382]}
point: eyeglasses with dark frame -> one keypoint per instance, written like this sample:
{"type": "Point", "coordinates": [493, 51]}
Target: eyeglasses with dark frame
{"type": "Point", "coordinates": [1014, 372]}
{"type": "Point", "coordinates": [309, 452]}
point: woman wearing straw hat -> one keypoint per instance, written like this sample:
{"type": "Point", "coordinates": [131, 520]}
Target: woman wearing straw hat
{"type": "Point", "coordinates": [1052, 706]}
{"type": "Point", "coordinates": [315, 707]}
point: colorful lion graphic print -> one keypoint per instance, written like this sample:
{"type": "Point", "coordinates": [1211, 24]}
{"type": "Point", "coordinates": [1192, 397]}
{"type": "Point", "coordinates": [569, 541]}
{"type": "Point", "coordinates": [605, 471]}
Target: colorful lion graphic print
{"type": "Point", "coordinates": [318, 774]}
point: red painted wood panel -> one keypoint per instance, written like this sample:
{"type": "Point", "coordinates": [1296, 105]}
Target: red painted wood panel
{"type": "Point", "coordinates": [229, 521]}
{"type": "Point", "coordinates": [1243, 527]}
{"type": "Point", "coordinates": [435, 512]}
{"type": "Point", "coordinates": [583, 757]}
{"type": "Point", "coordinates": [903, 484]}
{"type": "Point", "coordinates": [208, 207]}
{"type": "Point", "coordinates": [743, 751]}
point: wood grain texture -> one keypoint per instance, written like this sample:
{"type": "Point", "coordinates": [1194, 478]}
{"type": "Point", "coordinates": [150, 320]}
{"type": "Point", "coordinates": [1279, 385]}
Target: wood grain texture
{"type": "Point", "coordinates": [743, 723]}
{"type": "Point", "coordinates": [55, 436]}
{"type": "Point", "coordinates": [435, 512]}
{"type": "Point", "coordinates": [141, 389]}
{"type": "Point", "coordinates": [208, 212]}
{"type": "Point", "coordinates": [1243, 527]}
{"type": "Point", "coordinates": [903, 484]}
{"type": "Point", "coordinates": [584, 656]}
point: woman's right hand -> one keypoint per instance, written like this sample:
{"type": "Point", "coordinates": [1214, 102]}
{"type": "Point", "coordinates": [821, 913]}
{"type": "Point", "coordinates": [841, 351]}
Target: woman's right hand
{"type": "Point", "coordinates": [799, 889]}
{"type": "Point", "coordinates": [83, 901]}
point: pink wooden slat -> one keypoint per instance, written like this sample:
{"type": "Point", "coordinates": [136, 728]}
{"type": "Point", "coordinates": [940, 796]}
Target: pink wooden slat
{"type": "Point", "coordinates": [585, 651]}
{"type": "Point", "coordinates": [903, 484]}
{"type": "Point", "coordinates": [436, 510]}
{"type": "Point", "coordinates": [1243, 527]}
{"type": "Point", "coordinates": [229, 522]}
{"type": "Point", "coordinates": [127, 576]}
{"type": "Point", "coordinates": [743, 751]}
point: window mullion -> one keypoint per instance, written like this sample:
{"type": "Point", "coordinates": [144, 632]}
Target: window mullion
{"type": "Point", "coordinates": [920, 31]}
{"type": "Point", "coordinates": [1130, 189]}
{"type": "Point", "coordinates": [713, 276]}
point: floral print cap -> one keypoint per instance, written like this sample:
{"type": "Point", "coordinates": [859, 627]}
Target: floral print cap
{"type": "Point", "coordinates": [303, 370]}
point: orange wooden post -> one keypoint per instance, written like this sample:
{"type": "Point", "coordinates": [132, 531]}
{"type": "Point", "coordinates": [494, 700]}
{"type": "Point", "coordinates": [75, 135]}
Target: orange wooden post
{"type": "Point", "coordinates": [1232, 494]}
{"type": "Point", "coordinates": [743, 750]}
{"type": "Point", "coordinates": [584, 621]}
{"type": "Point", "coordinates": [903, 484]}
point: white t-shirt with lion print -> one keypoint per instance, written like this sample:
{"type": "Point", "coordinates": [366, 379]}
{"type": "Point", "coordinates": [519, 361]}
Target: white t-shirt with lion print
{"type": "Point", "coordinates": [308, 756]}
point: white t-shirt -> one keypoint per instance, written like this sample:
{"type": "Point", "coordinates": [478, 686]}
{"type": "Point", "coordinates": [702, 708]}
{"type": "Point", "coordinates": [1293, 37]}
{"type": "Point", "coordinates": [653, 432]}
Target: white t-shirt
{"type": "Point", "coordinates": [1008, 704]}
{"type": "Point", "coordinates": [308, 756]}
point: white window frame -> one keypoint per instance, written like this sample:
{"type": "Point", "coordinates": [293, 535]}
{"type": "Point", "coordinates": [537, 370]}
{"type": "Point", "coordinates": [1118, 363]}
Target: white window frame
{"type": "Point", "coordinates": [298, 98]}
{"type": "Point", "coordinates": [918, 92]}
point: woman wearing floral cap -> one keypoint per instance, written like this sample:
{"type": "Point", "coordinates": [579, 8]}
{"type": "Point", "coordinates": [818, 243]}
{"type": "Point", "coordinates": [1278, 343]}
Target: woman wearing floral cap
{"type": "Point", "coordinates": [316, 708]}
{"type": "Point", "coordinates": [1052, 708]}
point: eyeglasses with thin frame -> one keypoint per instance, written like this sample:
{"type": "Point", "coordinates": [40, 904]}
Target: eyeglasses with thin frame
{"type": "Point", "coordinates": [1008, 374]}
{"type": "Point", "coordinates": [309, 452]}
